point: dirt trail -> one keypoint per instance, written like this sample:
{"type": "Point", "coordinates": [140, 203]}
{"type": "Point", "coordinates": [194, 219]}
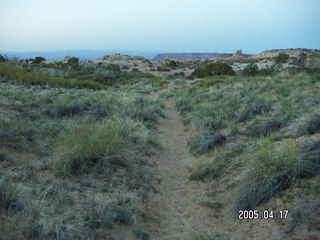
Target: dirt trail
{"type": "Point", "coordinates": [175, 205]}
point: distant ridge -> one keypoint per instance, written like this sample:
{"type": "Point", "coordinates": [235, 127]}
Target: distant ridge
{"type": "Point", "coordinates": [181, 56]}
{"type": "Point", "coordinates": [81, 54]}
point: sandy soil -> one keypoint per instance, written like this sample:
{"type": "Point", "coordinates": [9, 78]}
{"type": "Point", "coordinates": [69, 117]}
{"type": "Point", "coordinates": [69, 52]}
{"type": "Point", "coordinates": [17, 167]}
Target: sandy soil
{"type": "Point", "coordinates": [174, 206]}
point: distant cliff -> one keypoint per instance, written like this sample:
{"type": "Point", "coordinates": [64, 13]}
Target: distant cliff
{"type": "Point", "coordinates": [192, 56]}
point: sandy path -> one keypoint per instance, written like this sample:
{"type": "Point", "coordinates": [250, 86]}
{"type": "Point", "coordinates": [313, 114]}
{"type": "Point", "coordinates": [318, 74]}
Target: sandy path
{"type": "Point", "coordinates": [175, 206]}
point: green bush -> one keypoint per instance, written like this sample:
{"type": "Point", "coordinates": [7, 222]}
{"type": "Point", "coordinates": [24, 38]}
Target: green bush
{"type": "Point", "coordinates": [3, 58]}
{"type": "Point", "coordinates": [104, 76]}
{"type": "Point", "coordinates": [213, 69]}
{"type": "Point", "coordinates": [38, 60]}
{"type": "Point", "coordinates": [73, 62]}
{"type": "Point", "coordinates": [281, 58]}
{"type": "Point", "coordinates": [13, 72]}
{"type": "Point", "coordinates": [250, 70]}
{"type": "Point", "coordinates": [113, 68]}
{"type": "Point", "coordinates": [173, 63]}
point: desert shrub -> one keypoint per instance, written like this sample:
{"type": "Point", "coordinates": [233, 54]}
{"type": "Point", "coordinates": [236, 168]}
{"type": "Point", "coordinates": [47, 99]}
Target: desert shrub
{"type": "Point", "coordinates": [12, 72]}
{"type": "Point", "coordinates": [265, 128]}
{"type": "Point", "coordinates": [312, 126]}
{"type": "Point", "coordinates": [11, 196]}
{"type": "Point", "coordinates": [259, 106]}
{"type": "Point", "coordinates": [220, 69]}
{"type": "Point", "coordinates": [275, 169]}
{"type": "Point", "coordinates": [281, 58]}
{"type": "Point", "coordinates": [204, 142]}
{"type": "Point", "coordinates": [315, 77]}
{"type": "Point", "coordinates": [38, 60]}
{"type": "Point", "coordinates": [73, 62]}
{"type": "Point", "coordinates": [200, 73]}
{"type": "Point", "coordinates": [3, 58]}
{"type": "Point", "coordinates": [267, 71]}
{"type": "Point", "coordinates": [104, 76]}
{"type": "Point", "coordinates": [251, 70]}
{"type": "Point", "coordinates": [310, 160]}
{"type": "Point", "coordinates": [135, 70]}
{"type": "Point", "coordinates": [213, 69]}
{"type": "Point", "coordinates": [173, 63]}
{"type": "Point", "coordinates": [271, 171]}
{"type": "Point", "coordinates": [79, 148]}
{"type": "Point", "coordinates": [113, 68]}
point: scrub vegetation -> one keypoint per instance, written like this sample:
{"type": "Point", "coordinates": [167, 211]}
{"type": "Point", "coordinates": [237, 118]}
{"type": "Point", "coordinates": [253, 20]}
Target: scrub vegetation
{"type": "Point", "coordinates": [89, 151]}
{"type": "Point", "coordinates": [73, 162]}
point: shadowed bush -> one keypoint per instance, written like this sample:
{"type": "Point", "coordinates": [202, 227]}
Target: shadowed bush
{"type": "Point", "coordinates": [313, 125]}
{"type": "Point", "coordinates": [265, 128]}
{"type": "Point", "coordinates": [260, 106]}
{"type": "Point", "coordinates": [204, 142]}
{"type": "Point", "coordinates": [104, 76]}
{"type": "Point", "coordinates": [250, 70]}
{"type": "Point", "coordinates": [310, 161]}
{"type": "Point", "coordinates": [213, 69]}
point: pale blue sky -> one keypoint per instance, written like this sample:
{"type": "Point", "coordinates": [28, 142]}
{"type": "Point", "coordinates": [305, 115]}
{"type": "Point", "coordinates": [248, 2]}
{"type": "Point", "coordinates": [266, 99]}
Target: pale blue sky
{"type": "Point", "coordinates": [159, 25]}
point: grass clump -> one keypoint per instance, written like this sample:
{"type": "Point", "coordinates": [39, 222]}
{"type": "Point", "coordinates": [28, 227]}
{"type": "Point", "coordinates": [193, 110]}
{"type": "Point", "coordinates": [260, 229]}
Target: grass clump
{"type": "Point", "coordinates": [312, 126]}
{"type": "Point", "coordinates": [83, 146]}
{"type": "Point", "coordinates": [260, 106]}
{"type": "Point", "coordinates": [214, 167]}
{"type": "Point", "coordinates": [265, 128]}
{"type": "Point", "coordinates": [274, 169]}
{"type": "Point", "coordinates": [204, 142]}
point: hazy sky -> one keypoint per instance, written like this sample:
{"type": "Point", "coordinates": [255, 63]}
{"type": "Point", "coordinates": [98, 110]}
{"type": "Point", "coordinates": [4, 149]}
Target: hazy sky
{"type": "Point", "coordinates": [159, 25]}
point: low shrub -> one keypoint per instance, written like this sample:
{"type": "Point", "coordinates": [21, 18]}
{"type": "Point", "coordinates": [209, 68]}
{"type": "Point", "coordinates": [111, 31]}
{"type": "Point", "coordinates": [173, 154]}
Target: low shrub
{"type": "Point", "coordinates": [313, 125]}
{"type": "Point", "coordinates": [79, 148]}
{"type": "Point", "coordinates": [250, 70]}
{"type": "Point", "coordinates": [281, 58]}
{"type": "Point", "coordinates": [12, 72]}
{"type": "Point", "coordinates": [113, 68]}
{"type": "Point", "coordinates": [104, 76]}
{"type": "Point", "coordinates": [275, 169]}
{"type": "Point", "coordinates": [38, 60]}
{"type": "Point", "coordinates": [265, 128]}
{"type": "Point", "coordinates": [74, 63]}
{"type": "Point", "coordinates": [310, 160]}
{"type": "Point", "coordinates": [260, 106]}
{"type": "Point", "coordinates": [213, 69]}
{"type": "Point", "coordinates": [271, 171]}
{"type": "Point", "coordinates": [204, 142]}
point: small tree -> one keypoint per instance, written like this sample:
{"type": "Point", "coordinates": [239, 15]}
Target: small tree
{"type": "Point", "coordinates": [74, 63]}
{"type": "Point", "coordinates": [173, 63]}
{"type": "Point", "coordinates": [213, 69]}
{"type": "Point", "coordinates": [2, 58]}
{"type": "Point", "coordinates": [38, 60]}
{"type": "Point", "coordinates": [281, 58]}
{"type": "Point", "coordinates": [219, 69]}
{"type": "Point", "coordinates": [250, 70]}
{"type": "Point", "coordinates": [113, 68]}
